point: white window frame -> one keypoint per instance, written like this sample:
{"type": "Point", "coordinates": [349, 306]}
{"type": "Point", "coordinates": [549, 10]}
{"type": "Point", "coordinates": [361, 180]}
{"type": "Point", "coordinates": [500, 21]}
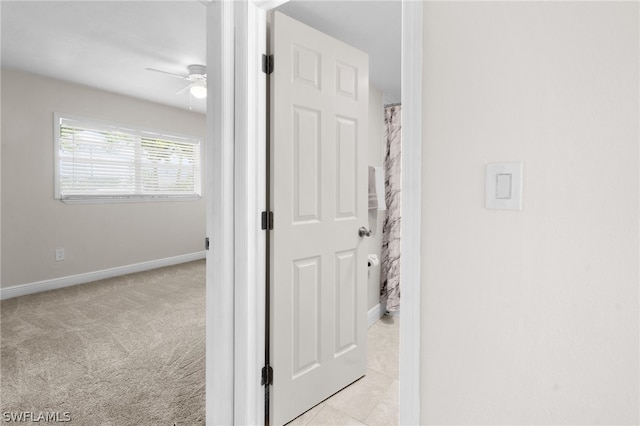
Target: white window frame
{"type": "Point", "coordinates": [137, 131]}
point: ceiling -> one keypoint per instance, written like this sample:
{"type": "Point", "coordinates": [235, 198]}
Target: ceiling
{"type": "Point", "coordinates": [109, 44]}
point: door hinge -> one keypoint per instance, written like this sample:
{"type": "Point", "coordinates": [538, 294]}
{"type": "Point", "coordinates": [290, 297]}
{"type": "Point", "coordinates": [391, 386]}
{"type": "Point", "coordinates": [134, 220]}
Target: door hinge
{"type": "Point", "coordinates": [267, 64]}
{"type": "Point", "coordinates": [206, 243]}
{"type": "Point", "coordinates": [267, 220]}
{"type": "Point", "coordinates": [267, 375]}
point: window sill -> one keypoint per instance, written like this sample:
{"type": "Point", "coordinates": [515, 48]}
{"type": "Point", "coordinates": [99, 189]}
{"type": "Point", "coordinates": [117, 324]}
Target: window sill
{"type": "Point", "coordinates": [131, 199]}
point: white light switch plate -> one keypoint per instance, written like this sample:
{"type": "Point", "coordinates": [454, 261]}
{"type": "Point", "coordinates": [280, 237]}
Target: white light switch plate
{"type": "Point", "coordinates": [503, 186]}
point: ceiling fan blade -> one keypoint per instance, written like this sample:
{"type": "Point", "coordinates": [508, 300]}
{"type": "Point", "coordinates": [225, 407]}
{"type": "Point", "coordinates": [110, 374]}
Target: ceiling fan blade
{"type": "Point", "coordinates": [184, 89]}
{"type": "Point", "coordinates": [168, 73]}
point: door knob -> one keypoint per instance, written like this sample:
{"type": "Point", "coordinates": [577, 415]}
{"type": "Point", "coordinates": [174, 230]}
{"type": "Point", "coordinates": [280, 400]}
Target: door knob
{"type": "Point", "coordinates": [364, 232]}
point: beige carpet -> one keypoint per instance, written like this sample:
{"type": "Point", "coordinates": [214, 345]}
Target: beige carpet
{"type": "Point", "coordinates": [124, 351]}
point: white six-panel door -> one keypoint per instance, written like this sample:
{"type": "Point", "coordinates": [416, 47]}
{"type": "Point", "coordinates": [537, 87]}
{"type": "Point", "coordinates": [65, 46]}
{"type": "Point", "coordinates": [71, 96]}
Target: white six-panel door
{"type": "Point", "coordinates": [319, 114]}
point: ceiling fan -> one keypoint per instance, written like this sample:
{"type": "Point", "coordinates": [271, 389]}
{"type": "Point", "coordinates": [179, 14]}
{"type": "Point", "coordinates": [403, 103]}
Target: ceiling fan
{"type": "Point", "coordinates": [197, 76]}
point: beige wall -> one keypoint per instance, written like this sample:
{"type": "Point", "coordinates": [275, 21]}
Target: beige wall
{"type": "Point", "coordinates": [531, 316]}
{"type": "Point", "coordinates": [94, 236]}
{"type": "Point", "coordinates": [376, 218]}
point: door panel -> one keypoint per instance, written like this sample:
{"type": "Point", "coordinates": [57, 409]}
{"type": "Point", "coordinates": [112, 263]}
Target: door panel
{"type": "Point", "coordinates": [319, 107]}
{"type": "Point", "coordinates": [306, 305]}
{"type": "Point", "coordinates": [306, 162]}
{"type": "Point", "coordinates": [345, 304]}
{"type": "Point", "coordinates": [346, 168]}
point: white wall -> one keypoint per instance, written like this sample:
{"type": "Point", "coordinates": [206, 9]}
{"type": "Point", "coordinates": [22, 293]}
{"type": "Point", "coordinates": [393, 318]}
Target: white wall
{"type": "Point", "coordinates": [531, 316]}
{"type": "Point", "coordinates": [376, 218]}
{"type": "Point", "coordinates": [95, 236]}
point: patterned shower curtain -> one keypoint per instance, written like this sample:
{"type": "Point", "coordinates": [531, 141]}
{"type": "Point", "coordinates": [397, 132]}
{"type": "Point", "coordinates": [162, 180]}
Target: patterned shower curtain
{"type": "Point", "coordinates": [390, 273]}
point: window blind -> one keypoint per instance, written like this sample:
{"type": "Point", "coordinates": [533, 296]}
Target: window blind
{"type": "Point", "coordinates": [98, 160]}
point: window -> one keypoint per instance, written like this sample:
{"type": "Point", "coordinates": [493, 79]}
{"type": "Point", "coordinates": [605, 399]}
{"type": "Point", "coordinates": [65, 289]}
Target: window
{"type": "Point", "coordinates": [105, 161]}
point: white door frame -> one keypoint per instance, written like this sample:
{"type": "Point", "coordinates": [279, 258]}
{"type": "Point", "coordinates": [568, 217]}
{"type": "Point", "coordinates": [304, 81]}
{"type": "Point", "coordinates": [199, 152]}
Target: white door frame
{"type": "Point", "coordinates": [220, 214]}
{"type": "Point", "coordinates": [410, 237]}
{"type": "Point", "coordinates": [236, 195]}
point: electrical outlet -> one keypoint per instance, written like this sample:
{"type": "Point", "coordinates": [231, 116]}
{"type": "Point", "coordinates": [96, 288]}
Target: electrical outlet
{"type": "Point", "coordinates": [59, 254]}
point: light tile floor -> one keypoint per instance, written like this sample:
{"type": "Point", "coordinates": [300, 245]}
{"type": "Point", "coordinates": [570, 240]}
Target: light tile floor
{"type": "Point", "coordinates": [372, 400]}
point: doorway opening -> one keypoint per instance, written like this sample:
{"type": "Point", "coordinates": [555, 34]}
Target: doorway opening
{"type": "Point", "coordinates": [378, 35]}
{"type": "Point", "coordinates": [235, 306]}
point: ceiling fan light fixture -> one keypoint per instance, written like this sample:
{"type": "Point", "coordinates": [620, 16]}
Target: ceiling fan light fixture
{"type": "Point", "coordinates": [198, 89]}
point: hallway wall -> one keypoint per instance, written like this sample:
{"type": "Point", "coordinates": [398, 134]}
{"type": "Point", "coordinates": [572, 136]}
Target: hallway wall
{"type": "Point", "coordinates": [531, 316]}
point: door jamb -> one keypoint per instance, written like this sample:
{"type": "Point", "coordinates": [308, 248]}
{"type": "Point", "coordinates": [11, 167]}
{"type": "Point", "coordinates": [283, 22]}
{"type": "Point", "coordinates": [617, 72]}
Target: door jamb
{"type": "Point", "coordinates": [411, 231]}
{"type": "Point", "coordinates": [236, 263]}
{"type": "Point", "coordinates": [220, 215]}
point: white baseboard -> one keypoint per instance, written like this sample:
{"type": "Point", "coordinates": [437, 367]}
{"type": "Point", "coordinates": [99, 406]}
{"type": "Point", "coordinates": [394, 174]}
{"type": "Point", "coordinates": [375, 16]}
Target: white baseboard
{"type": "Point", "coordinates": [30, 288]}
{"type": "Point", "coordinates": [375, 314]}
